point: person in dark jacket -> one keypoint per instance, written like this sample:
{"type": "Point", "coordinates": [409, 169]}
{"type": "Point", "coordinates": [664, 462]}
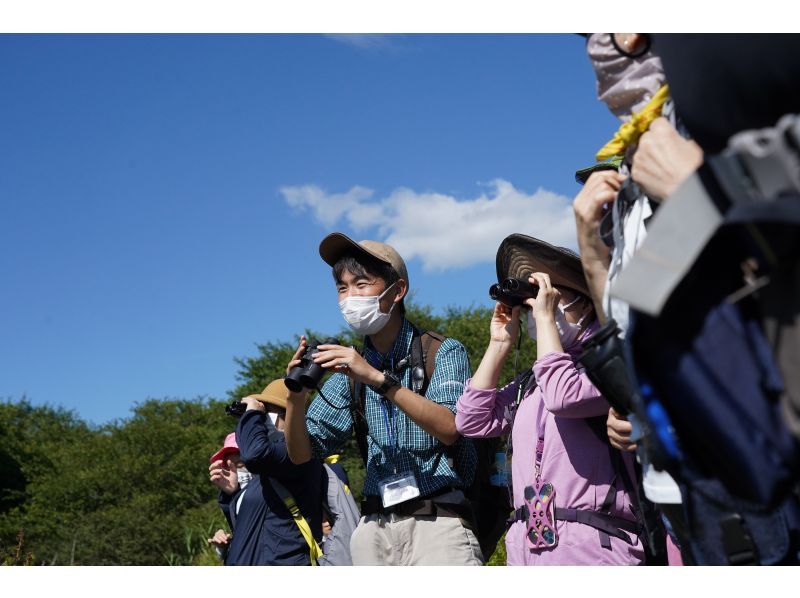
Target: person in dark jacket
{"type": "Point", "coordinates": [264, 531]}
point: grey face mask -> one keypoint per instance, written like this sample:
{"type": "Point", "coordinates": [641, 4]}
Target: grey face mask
{"type": "Point", "coordinates": [624, 84]}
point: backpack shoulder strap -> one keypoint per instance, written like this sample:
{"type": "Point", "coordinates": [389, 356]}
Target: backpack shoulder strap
{"type": "Point", "coordinates": [598, 426]}
{"type": "Point", "coordinates": [300, 521]}
{"type": "Point", "coordinates": [424, 347]}
{"type": "Point", "coordinates": [431, 341]}
{"type": "Point", "coordinates": [359, 417]}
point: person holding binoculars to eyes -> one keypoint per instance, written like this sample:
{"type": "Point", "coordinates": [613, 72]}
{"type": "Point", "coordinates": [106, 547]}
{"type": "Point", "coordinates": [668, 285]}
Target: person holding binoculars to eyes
{"type": "Point", "coordinates": [399, 395]}
{"type": "Point", "coordinates": [572, 492]}
{"type": "Point", "coordinates": [275, 509]}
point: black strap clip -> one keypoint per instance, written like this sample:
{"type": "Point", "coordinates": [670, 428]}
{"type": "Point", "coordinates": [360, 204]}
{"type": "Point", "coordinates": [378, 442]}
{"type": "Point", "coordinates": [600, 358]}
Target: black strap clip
{"type": "Point", "coordinates": [737, 542]}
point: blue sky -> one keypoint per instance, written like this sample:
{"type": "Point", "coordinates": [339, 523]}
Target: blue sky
{"type": "Point", "coordinates": [162, 197]}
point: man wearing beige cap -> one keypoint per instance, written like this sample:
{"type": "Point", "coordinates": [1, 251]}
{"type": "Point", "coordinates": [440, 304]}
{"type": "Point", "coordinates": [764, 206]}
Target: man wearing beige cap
{"type": "Point", "coordinates": [414, 510]}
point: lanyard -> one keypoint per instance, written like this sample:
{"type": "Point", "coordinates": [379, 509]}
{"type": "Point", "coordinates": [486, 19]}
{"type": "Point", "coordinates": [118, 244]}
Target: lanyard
{"type": "Point", "coordinates": [541, 421]}
{"type": "Point", "coordinates": [390, 420]}
{"type": "Point", "coordinates": [539, 453]}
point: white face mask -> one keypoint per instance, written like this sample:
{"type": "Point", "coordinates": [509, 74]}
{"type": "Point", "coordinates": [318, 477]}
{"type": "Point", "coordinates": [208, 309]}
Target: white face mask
{"type": "Point", "coordinates": [567, 332]}
{"type": "Point", "coordinates": [244, 477]}
{"type": "Point", "coordinates": [274, 418]}
{"type": "Point", "coordinates": [364, 315]}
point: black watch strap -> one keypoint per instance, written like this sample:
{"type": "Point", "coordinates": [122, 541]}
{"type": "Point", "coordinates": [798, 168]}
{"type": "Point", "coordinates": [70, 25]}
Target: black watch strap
{"type": "Point", "coordinates": [390, 381]}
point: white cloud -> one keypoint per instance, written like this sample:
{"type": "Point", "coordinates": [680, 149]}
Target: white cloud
{"type": "Point", "coordinates": [440, 230]}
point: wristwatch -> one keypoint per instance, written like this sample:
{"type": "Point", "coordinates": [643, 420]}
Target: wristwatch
{"type": "Point", "coordinates": [390, 380]}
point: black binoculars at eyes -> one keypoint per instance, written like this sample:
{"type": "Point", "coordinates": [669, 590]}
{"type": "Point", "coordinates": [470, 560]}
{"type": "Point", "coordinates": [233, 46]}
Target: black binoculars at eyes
{"type": "Point", "coordinates": [513, 291]}
{"type": "Point", "coordinates": [307, 374]}
{"type": "Point", "coordinates": [236, 409]}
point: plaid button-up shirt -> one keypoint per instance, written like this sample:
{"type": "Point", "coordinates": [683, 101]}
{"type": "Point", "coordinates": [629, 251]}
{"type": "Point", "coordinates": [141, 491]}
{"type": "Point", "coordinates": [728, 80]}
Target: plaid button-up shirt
{"type": "Point", "coordinates": [395, 442]}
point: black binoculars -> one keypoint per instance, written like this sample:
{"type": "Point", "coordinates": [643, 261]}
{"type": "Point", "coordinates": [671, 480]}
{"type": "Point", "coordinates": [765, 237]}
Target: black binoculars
{"type": "Point", "coordinates": [236, 409]}
{"type": "Point", "coordinates": [307, 374]}
{"type": "Point", "coordinates": [513, 291]}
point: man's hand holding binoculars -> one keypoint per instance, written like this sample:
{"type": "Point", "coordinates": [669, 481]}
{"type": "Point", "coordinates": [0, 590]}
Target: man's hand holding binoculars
{"type": "Point", "coordinates": [337, 358]}
{"type": "Point", "coordinates": [349, 362]}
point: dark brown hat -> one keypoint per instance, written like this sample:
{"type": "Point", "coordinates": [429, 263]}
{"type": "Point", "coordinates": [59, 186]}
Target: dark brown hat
{"type": "Point", "coordinates": [520, 255]}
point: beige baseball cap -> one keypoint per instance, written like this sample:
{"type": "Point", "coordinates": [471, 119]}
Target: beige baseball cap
{"type": "Point", "coordinates": [335, 245]}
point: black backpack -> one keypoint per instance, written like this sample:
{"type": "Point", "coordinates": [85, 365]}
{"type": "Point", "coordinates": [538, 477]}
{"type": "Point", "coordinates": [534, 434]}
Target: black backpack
{"type": "Point", "coordinates": [490, 504]}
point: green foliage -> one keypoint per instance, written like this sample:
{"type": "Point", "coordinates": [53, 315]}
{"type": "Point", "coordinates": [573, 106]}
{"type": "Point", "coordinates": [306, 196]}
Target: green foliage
{"type": "Point", "coordinates": [471, 326]}
{"type": "Point", "coordinates": [256, 372]}
{"type": "Point", "coordinates": [16, 555]}
{"type": "Point", "coordinates": [136, 491]}
{"type": "Point", "coordinates": [123, 493]}
{"type": "Point", "coordinates": [498, 559]}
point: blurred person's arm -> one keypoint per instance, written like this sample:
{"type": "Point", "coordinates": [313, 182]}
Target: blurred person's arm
{"type": "Point", "coordinates": [600, 190]}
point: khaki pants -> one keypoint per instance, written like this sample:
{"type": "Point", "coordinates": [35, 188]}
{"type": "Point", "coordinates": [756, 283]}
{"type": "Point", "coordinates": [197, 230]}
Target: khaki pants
{"type": "Point", "coordinates": [406, 540]}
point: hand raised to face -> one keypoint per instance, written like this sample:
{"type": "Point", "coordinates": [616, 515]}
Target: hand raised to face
{"type": "Point", "coordinates": [223, 475]}
{"type": "Point", "coordinates": [504, 327]}
{"type": "Point", "coordinates": [546, 302]}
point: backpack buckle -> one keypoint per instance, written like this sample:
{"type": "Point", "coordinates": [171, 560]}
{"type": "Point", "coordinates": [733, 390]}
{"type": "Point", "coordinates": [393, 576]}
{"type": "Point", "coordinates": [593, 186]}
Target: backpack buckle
{"type": "Point", "coordinates": [736, 541]}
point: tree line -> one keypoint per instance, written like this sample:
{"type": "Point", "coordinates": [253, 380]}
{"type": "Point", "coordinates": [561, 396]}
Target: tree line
{"type": "Point", "coordinates": [135, 491]}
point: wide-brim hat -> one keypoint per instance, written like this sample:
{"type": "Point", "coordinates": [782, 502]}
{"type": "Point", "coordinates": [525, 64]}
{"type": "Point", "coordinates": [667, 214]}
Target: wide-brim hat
{"type": "Point", "coordinates": [275, 394]}
{"type": "Point", "coordinates": [333, 247]}
{"type": "Point", "coordinates": [520, 255]}
{"type": "Point", "coordinates": [229, 446]}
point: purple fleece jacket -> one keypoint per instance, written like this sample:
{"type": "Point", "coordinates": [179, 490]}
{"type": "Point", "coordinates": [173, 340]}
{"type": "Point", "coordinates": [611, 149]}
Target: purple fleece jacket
{"type": "Point", "coordinates": [575, 460]}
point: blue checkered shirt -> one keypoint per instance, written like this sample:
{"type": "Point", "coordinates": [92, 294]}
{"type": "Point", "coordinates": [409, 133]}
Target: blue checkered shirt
{"type": "Point", "coordinates": [408, 447]}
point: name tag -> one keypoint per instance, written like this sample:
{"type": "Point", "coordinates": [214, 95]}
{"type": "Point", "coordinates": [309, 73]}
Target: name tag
{"type": "Point", "coordinates": [398, 488]}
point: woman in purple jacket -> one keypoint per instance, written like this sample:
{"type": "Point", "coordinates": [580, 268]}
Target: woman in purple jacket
{"type": "Point", "coordinates": [572, 492]}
